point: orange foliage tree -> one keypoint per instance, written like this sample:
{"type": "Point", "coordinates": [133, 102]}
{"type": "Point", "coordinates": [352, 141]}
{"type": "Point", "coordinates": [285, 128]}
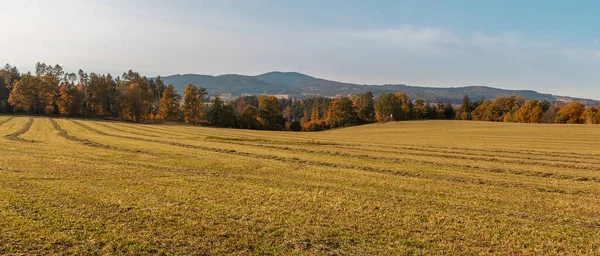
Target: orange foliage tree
{"type": "Point", "coordinates": [530, 112]}
{"type": "Point", "coordinates": [134, 105]}
{"type": "Point", "coordinates": [570, 114]}
{"type": "Point", "coordinates": [591, 115]}
{"type": "Point", "coordinates": [168, 107]}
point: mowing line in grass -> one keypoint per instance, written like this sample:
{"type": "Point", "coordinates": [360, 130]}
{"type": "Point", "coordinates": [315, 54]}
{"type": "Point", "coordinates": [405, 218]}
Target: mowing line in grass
{"type": "Point", "coordinates": [425, 162]}
{"type": "Point", "coordinates": [265, 193]}
{"type": "Point", "coordinates": [64, 134]}
{"type": "Point", "coordinates": [365, 168]}
{"type": "Point", "coordinates": [440, 154]}
{"type": "Point", "coordinates": [15, 136]}
{"type": "Point", "coordinates": [395, 160]}
{"type": "Point", "coordinates": [6, 120]}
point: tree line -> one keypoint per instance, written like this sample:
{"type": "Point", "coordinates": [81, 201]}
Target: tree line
{"type": "Point", "coordinates": [516, 109]}
{"type": "Point", "coordinates": [53, 92]}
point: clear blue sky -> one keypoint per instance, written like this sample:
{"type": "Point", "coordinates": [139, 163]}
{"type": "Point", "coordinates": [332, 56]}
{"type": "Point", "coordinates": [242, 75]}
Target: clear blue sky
{"type": "Point", "coordinates": [548, 46]}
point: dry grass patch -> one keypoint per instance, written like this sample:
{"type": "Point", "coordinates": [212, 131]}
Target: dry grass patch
{"type": "Point", "coordinates": [425, 188]}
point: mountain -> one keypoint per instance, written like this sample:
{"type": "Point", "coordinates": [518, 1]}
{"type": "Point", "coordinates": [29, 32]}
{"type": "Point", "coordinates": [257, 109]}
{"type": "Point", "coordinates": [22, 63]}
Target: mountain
{"type": "Point", "coordinates": [234, 84]}
{"type": "Point", "coordinates": [290, 79]}
{"type": "Point", "coordinates": [297, 85]}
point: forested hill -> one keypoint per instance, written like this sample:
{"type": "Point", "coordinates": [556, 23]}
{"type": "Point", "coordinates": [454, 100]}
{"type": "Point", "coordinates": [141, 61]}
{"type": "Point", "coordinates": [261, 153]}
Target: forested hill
{"type": "Point", "coordinates": [302, 86]}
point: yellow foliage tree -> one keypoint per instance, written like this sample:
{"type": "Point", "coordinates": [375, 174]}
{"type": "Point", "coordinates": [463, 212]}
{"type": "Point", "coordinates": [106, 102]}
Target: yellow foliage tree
{"type": "Point", "coordinates": [193, 105]}
{"type": "Point", "coordinates": [570, 114]}
{"type": "Point", "coordinates": [69, 100]}
{"type": "Point", "coordinates": [269, 113]}
{"type": "Point", "coordinates": [591, 115]}
{"type": "Point", "coordinates": [168, 107]}
{"type": "Point", "coordinates": [530, 112]}
{"type": "Point", "coordinates": [134, 107]}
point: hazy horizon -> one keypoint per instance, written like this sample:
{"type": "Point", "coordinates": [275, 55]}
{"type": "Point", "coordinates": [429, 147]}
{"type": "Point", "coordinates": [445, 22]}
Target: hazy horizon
{"type": "Point", "coordinates": [553, 47]}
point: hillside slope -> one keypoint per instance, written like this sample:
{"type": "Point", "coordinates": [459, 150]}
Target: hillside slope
{"type": "Point", "coordinates": [299, 85]}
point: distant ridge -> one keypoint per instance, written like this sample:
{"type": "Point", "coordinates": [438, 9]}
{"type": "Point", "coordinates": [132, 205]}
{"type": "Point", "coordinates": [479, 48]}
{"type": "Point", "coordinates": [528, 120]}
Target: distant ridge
{"type": "Point", "coordinates": [286, 78]}
{"type": "Point", "coordinates": [298, 85]}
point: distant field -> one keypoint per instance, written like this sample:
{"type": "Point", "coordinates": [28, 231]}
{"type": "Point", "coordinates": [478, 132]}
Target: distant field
{"type": "Point", "coordinates": [430, 187]}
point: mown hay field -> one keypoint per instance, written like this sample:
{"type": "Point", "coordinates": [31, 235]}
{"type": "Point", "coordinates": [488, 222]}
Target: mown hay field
{"type": "Point", "coordinates": [427, 187]}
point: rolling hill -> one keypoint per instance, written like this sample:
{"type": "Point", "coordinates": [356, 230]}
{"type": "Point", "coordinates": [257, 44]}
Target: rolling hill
{"type": "Point", "coordinates": [299, 85]}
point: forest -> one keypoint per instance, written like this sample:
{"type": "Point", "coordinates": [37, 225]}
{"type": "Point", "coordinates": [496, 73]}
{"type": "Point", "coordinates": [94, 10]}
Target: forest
{"type": "Point", "coordinates": [51, 91]}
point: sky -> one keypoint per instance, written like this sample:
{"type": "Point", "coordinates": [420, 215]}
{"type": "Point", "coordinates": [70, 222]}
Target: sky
{"type": "Point", "coordinates": [543, 45]}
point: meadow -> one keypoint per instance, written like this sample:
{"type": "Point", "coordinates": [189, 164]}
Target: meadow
{"type": "Point", "coordinates": [415, 188]}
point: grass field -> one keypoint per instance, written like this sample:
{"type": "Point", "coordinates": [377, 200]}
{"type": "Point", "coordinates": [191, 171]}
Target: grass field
{"type": "Point", "coordinates": [430, 187]}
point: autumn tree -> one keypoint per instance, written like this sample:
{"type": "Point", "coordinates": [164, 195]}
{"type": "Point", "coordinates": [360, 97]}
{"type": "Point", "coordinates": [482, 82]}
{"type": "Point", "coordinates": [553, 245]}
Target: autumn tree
{"type": "Point", "coordinates": [314, 119]}
{"type": "Point", "coordinates": [420, 110]}
{"type": "Point", "coordinates": [591, 115]}
{"type": "Point", "coordinates": [315, 114]}
{"type": "Point", "coordinates": [69, 101]}
{"type": "Point", "coordinates": [464, 111]}
{"type": "Point", "coordinates": [97, 95]}
{"type": "Point", "coordinates": [42, 69]}
{"type": "Point", "coordinates": [315, 109]}
{"type": "Point", "coordinates": [240, 103]}
{"type": "Point", "coordinates": [550, 114]}
{"type": "Point", "coordinates": [193, 104]}
{"type": "Point", "coordinates": [530, 112]}
{"type": "Point", "coordinates": [341, 113]}
{"type": "Point", "coordinates": [269, 113]}
{"type": "Point", "coordinates": [570, 114]}
{"type": "Point", "coordinates": [482, 112]}
{"type": "Point", "coordinates": [288, 113]}
{"type": "Point", "coordinates": [47, 94]}
{"type": "Point", "coordinates": [406, 108]}
{"type": "Point", "coordinates": [64, 102]}
{"type": "Point", "coordinates": [134, 106]}
{"type": "Point", "coordinates": [503, 109]}
{"type": "Point", "coordinates": [364, 106]}
{"type": "Point", "coordinates": [8, 75]}
{"type": "Point", "coordinates": [24, 94]}
{"type": "Point", "coordinates": [158, 87]}
{"type": "Point", "coordinates": [168, 109]}
{"type": "Point", "coordinates": [147, 95]}
{"type": "Point", "coordinates": [388, 107]}
{"type": "Point", "coordinates": [247, 118]}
